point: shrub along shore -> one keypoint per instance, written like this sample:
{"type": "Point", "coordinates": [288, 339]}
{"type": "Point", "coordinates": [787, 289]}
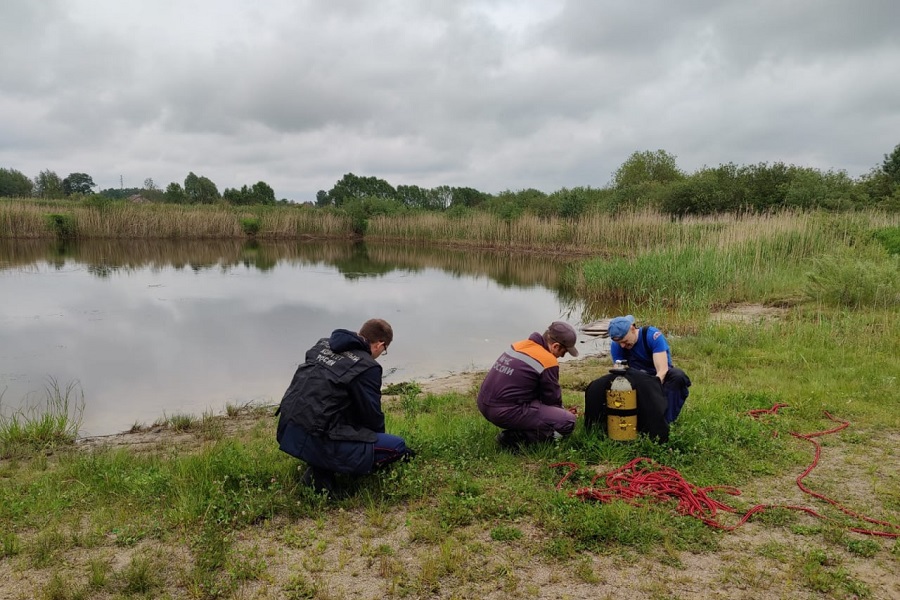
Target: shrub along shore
{"type": "Point", "coordinates": [216, 512]}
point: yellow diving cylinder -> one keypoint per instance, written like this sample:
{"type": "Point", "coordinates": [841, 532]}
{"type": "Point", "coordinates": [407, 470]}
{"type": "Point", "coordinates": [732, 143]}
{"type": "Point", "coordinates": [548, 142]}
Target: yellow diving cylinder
{"type": "Point", "coordinates": [621, 410]}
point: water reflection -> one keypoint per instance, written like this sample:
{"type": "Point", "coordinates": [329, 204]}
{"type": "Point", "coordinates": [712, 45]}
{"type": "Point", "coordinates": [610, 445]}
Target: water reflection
{"type": "Point", "coordinates": [156, 328]}
{"type": "Point", "coordinates": [352, 259]}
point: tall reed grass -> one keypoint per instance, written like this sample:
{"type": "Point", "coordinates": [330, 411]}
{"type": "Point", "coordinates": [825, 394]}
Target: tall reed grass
{"type": "Point", "coordinates": [628, 233]}
{"type": "Point", "coordinates": [120, 219]}
{"type": "Point", "coordinates": [701, 265]}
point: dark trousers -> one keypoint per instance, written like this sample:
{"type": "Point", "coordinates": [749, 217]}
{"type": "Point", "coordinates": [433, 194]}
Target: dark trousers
{"type": "Point", "coordinates": [675, 387]}
{"type": "Point", "coordinates": [342, 456]}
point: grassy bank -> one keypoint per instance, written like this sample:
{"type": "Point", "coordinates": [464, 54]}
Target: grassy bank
{"type": "Point", "coordinates": [210, 513]}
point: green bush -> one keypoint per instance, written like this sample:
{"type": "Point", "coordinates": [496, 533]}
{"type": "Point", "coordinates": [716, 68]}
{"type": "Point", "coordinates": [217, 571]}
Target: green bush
{"type": "Point", "coordinates": [250, 225]}
{"type": "Point", "coordinates": [889, 238]}
{"type": "Point", "coordinates": [63, 225]}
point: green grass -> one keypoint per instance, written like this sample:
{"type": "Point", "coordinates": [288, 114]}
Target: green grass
{"type": "Point", "coordinates": [461, 481]}
{"type": "Point", "coordinates": [49, 423]}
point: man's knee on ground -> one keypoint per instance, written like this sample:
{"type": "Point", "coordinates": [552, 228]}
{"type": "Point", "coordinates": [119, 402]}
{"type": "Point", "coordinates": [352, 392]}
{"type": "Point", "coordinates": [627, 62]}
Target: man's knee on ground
{"type": "Point", "coordinates": [567, 426]}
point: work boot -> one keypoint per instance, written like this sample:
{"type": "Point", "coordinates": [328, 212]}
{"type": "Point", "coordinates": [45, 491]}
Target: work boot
{"type": "Point", "coordinates": [321, 480]}
{"type": "Point", "coordinates": [512, 440]}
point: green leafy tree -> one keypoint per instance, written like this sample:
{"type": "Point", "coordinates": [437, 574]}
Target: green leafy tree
{"type": "Point", "coordinates": [175, 193]}
{"type": "Point", "coordinates": [469, 197]}
{"type": "Point", "coordinates": [647, 167]}
{"type": "Point", "coordinates": [14, 184]}
{"type": "Point", "coordinates": [352, 186]}
{"type": "Point", "coordinates": [192, 187]}
{"type": "Point", "coordinates": [200, 190]}
{"type": "Point", "coordinates": [440, 197]}
{"type": "Point", "coordinates": [237, 197]}
{"type": "Point", "coordinates": [119, 193]}
{"type": "Point", "coordinates": [361, 210]}
{"type": "Point", "coordinates": [516, 203]}
{"type": "Point", "coordinates": [413, 196]}
{"type": "Point", "coordinates": [834, 190]}
{"type": "Point", "coordinates": [764, 186]}
{"type": "Point", "coordinates": [571, 203]}
{"type": "Point", "coordinates": [48, 185]}
{"type": "Point", "coordinates": [78, 183]}
{"type": "Point", "coordinates": [882, 183]}
{"type": "Point", "coordinates": [506, 205]}
{"type": "Point", "coordinates": [891, 165]}
{"type": "Point", "coordinates": [322, 198]}
{"type": "Point", "coordinates": [708, 191]}
{"type": "Point", "coordinates": [262, 193]}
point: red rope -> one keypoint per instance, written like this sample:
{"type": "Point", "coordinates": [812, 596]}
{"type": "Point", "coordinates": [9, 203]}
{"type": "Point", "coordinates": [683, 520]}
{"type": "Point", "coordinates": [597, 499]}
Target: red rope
{"type": "Point", "coordinates": [643, 478]}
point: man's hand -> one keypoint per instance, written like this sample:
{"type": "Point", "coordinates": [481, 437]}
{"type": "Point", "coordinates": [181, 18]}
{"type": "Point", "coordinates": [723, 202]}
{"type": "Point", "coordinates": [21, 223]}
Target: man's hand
{"type": "Point", "coordinates": [573, 410]}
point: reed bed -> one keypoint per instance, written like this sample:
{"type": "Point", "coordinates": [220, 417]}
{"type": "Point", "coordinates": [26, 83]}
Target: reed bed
{"type": "Point", "coordinates": [279, 223]}
{"type": "Point", "coordinates": [23, 220]}
{"type": "Point", "coordinates": [26, 219]}
{"type": "Point", "coordinates": [623, 234]}
{"type": "Point", "coordinates": [772, 259]}
{"type": "Point", "coordinates": [630, 232]}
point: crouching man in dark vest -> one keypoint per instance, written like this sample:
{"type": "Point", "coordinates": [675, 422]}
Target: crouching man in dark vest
{"type": "Point", "coordinates": [330, 415]}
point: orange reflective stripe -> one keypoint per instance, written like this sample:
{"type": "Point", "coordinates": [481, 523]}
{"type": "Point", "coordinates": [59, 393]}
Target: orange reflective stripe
{"type": "Point", "coordinates": [537, 352]}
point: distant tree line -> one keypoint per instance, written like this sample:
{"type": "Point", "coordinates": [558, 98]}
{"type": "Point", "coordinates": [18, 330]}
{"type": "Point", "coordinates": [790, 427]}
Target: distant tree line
{"type": "Point", "coordinates": [647, 179]}
{"type": "Point", "coordinates": [196, 189]}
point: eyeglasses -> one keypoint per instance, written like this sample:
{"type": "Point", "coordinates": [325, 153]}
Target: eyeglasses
{"type": "Point", "coordinates": [384, 349]}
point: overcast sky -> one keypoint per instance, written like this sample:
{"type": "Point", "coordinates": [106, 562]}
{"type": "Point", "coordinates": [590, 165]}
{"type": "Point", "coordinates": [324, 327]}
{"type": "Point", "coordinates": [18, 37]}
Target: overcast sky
{"type": "Point", "coordinates": [495, 95]}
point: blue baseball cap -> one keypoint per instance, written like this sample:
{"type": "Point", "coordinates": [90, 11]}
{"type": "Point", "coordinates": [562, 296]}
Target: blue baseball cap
{"type": "Point", "coordinates": [620, 326]}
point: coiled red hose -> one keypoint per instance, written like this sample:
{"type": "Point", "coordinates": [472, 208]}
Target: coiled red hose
{"type": "Point", "coordinates": [644, 478]}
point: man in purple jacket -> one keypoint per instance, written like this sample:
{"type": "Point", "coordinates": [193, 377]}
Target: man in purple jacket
{"type": "Point", "coordinates": [521, 392]}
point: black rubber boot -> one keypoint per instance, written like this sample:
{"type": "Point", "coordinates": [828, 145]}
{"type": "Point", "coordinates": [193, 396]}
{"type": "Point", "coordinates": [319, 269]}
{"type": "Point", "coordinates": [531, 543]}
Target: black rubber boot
{"type": "Point", "coordinates": [321, 480]}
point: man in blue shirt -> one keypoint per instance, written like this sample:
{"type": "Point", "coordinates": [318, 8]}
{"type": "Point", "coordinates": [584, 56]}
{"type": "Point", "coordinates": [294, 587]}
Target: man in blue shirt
{"type": "Point", "coordinates": [646, 349]}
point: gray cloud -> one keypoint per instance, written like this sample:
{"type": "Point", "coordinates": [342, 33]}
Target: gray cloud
{"type": "Point", "coordinates": [484, 93]}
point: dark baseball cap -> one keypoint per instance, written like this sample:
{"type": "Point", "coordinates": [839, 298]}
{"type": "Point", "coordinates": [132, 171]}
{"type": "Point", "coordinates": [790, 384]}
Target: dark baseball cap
{"type": "Point", "coordinates": [565, 334]}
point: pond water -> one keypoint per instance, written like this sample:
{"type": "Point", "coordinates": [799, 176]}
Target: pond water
{"type": "Point", "coordinates": [153, 329]}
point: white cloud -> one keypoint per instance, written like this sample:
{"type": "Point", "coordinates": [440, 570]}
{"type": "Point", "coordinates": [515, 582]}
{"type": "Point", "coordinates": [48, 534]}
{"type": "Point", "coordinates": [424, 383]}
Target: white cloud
{"type": "Point", "coordinates": [483, 93]}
